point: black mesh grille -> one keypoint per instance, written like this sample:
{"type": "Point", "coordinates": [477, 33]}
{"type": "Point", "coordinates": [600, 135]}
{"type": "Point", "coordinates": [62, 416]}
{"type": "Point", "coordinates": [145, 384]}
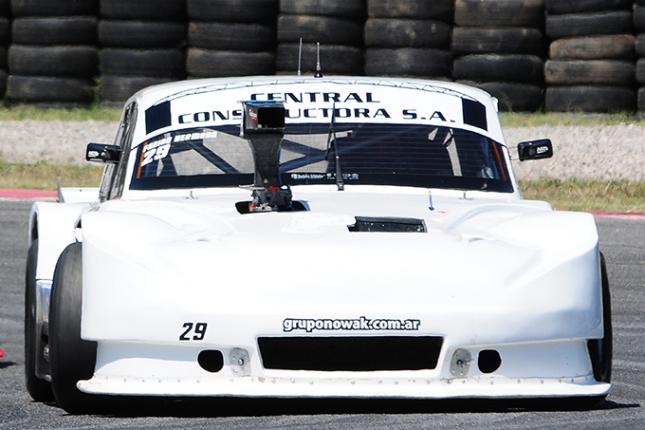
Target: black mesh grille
{"type": "Point", "coordinates": [350, 353]}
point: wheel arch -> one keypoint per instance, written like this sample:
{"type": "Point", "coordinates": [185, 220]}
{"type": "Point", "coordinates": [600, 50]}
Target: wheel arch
{"type": "Point", "coordinates": [53, 225]}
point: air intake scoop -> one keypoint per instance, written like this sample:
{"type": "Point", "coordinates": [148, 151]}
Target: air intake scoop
{"type": "Point", "coordinates": [388, 225]}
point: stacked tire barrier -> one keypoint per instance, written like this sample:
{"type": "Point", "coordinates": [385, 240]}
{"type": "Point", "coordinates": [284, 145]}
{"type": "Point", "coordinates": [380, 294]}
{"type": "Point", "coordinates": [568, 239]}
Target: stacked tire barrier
{"type": "Point", "coordinates": [337, 25]}
{"type": "Point", "coordinates": [639, 28]}
{"type": "Point", "coordinates": [53, 57]}
{"type": "Point", "coordinates": [5, 37]}
{"type": "Point", "coordinates": [231, 37]}
{"type": "Point", "coordinates": [590, 66]}
{"type": "Point", "coordinates": [499, 48]}
{"type": "Point", "coordinates": [142, 44]}
{"type": "Point", "coordinates": [50, 49]}
{"type": "Point", "coordinates": [410, 38]}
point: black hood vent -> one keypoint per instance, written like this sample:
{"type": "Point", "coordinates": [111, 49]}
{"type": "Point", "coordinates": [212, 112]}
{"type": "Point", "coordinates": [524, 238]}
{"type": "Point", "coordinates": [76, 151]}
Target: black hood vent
{"type": "Point", "coordinates": [388, 224]}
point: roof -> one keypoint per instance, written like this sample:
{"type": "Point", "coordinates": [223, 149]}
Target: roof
{"type": "Point", "coordinates": [216, 101]}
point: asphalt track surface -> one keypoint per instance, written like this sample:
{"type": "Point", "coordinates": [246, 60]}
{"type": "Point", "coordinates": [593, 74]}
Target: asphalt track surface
{"type": "Point", "coordinates": [622, 241]}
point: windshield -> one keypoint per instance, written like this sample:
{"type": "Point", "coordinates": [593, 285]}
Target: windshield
{"type": "Point", "coordinates": [375, 154]}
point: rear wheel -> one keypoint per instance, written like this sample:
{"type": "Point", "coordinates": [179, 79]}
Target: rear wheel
{"type": "Point", "coordinates": [39, 389]}
{"type": "Point", "coordinates": [72, 358]}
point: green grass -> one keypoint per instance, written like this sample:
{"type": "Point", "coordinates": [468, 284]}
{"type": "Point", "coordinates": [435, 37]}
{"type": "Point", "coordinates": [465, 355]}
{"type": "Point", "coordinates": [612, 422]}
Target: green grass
{"type": "Point", "coordinates": [588, 194]}
{"type": "Point", "coordinates": [21, 112]}
{"type": "Point", "coordinates": [569, 119]}
{"type": "Point", "coordinates": [43, 176]}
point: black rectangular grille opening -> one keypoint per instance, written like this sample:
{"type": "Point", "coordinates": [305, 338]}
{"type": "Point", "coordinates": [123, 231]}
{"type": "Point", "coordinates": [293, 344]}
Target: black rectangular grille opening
{"type": "Point", "coordinates": [357, 354]}
{"type": "Point", "coordinates": [388, 224]}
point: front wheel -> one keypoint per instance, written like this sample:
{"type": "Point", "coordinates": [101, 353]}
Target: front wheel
{"type": "Point", "coordinates": [601, 350]}
{"type": "Point", "coordinates": [71, 358]}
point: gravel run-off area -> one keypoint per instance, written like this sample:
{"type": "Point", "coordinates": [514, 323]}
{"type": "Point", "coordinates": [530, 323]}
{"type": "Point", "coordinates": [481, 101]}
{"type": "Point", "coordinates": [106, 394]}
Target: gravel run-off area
{"type": "Point", "coordinates": [604, 152]}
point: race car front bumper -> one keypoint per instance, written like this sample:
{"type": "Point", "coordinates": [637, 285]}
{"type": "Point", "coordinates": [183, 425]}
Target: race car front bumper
{"type": "Point", "coordinates": [532, 370]}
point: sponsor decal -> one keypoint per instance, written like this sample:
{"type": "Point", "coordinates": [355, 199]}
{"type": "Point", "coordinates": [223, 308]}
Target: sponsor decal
{"type": "Point", "coordinates": [156, 150]}
{"type": "Point", "coordinates": [358, 324]}
{"type": "Point", "coordinates": [314, 106]}
{"type": "Point", "coordinates": [328, 176]}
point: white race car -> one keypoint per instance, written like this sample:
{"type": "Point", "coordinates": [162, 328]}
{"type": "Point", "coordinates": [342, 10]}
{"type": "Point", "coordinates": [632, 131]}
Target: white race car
{"type": "Point", "coordinates": [296, 237]}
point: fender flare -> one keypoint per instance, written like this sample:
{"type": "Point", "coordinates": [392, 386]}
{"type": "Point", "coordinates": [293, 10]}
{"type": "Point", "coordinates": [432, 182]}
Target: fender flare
{"type": "Point", "coordinates": [53, 224]}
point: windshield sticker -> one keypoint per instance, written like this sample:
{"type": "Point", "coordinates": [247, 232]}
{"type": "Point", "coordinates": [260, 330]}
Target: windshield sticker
{"type": "Point", "coordinates": [156, 150]}
{"type": "Point", "coordinates": [195, 136]}
{"type": "Point", "coordinates": [323, 176]}
{"type": "Point", "coordinates": [358, 324]}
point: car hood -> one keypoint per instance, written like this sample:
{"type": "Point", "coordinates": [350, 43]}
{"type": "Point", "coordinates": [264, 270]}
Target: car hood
{"type": "Point", "coordinates": [492, 256]}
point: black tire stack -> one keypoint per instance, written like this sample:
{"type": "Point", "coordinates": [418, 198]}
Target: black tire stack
{"type": "Point", "coordinates": [231, 38]}
{"type": "Point", "coordinates": [142, 44]}
{"type": "Point", "coordinates": [337, 25]}
{"type": "Point", "coordinates": [409, 38]}
{"type": "Point", "coordinates": [53, 58]}
{"type": "Point", "coordinates": [639, 28]}
{"type": "Point", "coordinates": [590, 66]}
{"type": "Point", "coordinates": [499, 48]}
{"type": "Point", "coordinates": [5, 37]}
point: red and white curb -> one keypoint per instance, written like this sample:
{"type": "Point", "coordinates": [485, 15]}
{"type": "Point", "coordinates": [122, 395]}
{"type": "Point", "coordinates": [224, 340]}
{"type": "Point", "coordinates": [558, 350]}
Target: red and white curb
{"type": "Point", "coordinates": [624, 215]}
{"type": "Point", "coordinates": [27, 194]}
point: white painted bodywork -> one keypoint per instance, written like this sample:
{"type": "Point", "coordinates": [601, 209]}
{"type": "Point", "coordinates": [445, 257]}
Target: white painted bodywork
{"type": "Point", "coordinates": [493, 271]}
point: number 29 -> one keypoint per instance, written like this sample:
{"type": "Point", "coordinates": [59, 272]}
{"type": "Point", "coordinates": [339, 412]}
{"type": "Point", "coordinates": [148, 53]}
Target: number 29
{"type": "Point", "coordinates": [199, 330]}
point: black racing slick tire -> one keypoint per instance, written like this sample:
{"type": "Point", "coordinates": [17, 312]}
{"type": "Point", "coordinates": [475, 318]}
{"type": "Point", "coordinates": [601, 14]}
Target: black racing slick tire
{"type": "Point", "coordinates": [508, 40]}
{"type": "Point", "coordinates": [611, 47]}
{"type": "Point", "coordinates": [639, 19]}
{"type": "Point", "coordinates": [589, 72]}
{"type": "Point", "coordinates": [204, 63]}
{"type": "Point", "coordinates": [56, 61]}
{"type": "Point", "coordinates": [143, 62]}
{"type": "Point", "coordinates": [323, 29]}
{"type": "Point", "coordinates": [141, 34]}
{"type": "Point", "coordinates": [575, 6]}
{"type": "Point", "coordinates": [232, 36]}
{"type": "Point", "coordinates": [640, 99]}
{"type": "Point", "coordinates": [148, 10]}
{"type": "Point", "coordinates": [52, 8]}
{"type": "Point", "coordinates": [640, 72]}
{"type": "Point", "coordinates": [340, 8]}
{"type": "Point", "coordinates": [639, 47]}
{"type": "Point", "coordinates": [527, 69]}
{"type": "Point", "coordinates": [588, 24]}
{"type": "Point", "coordinates": [418, 62]}
{"type": "Point", "coordinates": [52, 31]}
{"type": "Point", "coordinates": [72, 359]}
{"type": "Point", "coordinates": [412, 33]}
{"type": "Point", "coordinates": [601, 350]}
{"type": "Point", "coordinates": [232, 10]}
{"type": "Point", "coordinates": [506, 13]}
{"type": "Point", "coordinates": [414, 9]}
{"type": "Point", "coordinates": [39, 389]}
{"type": "Point", "coordinates": [115, 88]}
{"type": "Point", "coordinates": [334, 59]}
{"type": "Point", "coordinates": [5, 30]}
{"type": "Point", "coordinates": [589, 98]}
{"type": "Point", "coordinates": [514, 97]}
{"type": "Point", "coordinates": [46, 89]}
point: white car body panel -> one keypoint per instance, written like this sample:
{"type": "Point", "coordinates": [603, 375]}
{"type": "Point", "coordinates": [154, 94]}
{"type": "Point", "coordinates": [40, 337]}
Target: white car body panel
{"type": "Point", "coordinates": [493, 271]}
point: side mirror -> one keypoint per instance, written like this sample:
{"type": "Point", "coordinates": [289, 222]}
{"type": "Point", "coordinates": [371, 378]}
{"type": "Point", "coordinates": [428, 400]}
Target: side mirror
{"type": "Point", "coordinates": [535, 149]}
{"type": "Point", "coordinates": [103, 153]}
